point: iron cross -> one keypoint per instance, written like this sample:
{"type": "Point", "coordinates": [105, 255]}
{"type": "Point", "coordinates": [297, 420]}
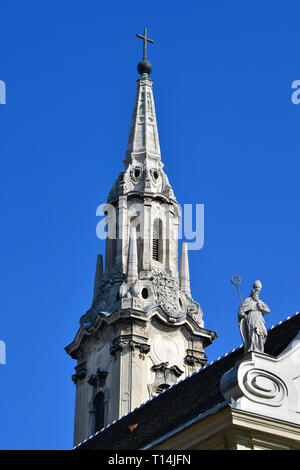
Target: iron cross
{"type": "Point", "coordinates": [145, 39]}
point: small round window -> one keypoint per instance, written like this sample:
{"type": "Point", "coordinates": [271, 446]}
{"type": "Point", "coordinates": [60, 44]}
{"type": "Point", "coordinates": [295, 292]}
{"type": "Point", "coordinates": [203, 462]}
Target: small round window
{"type": "Point", "coordinates": [145, 293]}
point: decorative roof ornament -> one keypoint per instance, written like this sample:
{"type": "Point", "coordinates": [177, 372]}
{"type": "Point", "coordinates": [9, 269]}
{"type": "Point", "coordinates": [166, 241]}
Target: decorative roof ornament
{"type": "Point", "coordinates": [144, 66]}
{"type": "Point", "coordinates": [251, 317]}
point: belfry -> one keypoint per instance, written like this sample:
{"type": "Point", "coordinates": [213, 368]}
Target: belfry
{"type": "Point", "coordinates": [144, 331]}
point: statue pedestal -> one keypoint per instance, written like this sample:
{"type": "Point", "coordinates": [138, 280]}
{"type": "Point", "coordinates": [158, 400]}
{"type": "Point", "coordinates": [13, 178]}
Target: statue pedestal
{"type": "Point", "coordinates": [266, 385]}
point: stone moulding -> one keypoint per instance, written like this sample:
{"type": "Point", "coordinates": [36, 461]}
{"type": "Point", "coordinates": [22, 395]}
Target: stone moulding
{"type": "Point", "coordinates": [103, 321]}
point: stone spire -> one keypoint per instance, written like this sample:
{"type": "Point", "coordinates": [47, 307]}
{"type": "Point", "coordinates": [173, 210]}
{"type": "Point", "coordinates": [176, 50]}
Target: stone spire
{"type": "Point", "coordinates": [143, 166]}
{"type": "Point", "coordinates": [143, 141]}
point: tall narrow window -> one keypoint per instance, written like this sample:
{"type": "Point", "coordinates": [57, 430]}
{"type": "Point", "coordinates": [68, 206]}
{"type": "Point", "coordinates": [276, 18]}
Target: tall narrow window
{"type": "Point", "coordinates": [157, 240]}
{"type": "Point", "coordinates": [99, 411]}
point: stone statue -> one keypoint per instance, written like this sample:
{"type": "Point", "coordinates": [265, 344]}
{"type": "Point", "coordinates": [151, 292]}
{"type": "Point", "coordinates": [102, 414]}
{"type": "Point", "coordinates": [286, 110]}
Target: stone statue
{"type": "Point", "coordinates": [251, 320]}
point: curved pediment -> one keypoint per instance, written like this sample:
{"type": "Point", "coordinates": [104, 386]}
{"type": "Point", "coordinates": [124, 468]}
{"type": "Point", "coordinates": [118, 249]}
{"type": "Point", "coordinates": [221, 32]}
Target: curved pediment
{"type": "Point", "coordinates": [184, 320]}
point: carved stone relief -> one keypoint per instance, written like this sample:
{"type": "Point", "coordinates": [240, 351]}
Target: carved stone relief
{"type": "Point", "coordinates": [167, 293]}
{"type": "Point", "coordinates": [196, 313]}
{"type": "Point", "coordinates": [165, 377]}
{"type": "Point", "coordinates": [266, 385]}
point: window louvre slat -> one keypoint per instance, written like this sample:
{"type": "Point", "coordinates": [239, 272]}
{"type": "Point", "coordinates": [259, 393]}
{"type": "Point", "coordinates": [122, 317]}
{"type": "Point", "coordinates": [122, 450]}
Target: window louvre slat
{"type": "Point", "coordinates": [156, 236]}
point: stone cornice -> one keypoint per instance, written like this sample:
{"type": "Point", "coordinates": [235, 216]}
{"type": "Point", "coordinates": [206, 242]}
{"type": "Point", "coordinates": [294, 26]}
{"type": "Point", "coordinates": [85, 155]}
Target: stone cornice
{"type": "Point", "coordinates": [265, 424]}
{"type": "Point", "coordinates": [233, 425]}
{"type": "Point", "coordinates": [101, 320]}
{"type": "Point", "coordinates": [144, 195]}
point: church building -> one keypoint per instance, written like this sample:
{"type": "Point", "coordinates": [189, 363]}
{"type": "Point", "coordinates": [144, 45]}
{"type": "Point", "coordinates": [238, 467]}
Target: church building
{"type": "Point", "coordinates": [141, 346]}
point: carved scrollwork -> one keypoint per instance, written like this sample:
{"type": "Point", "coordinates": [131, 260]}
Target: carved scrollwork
{"type": "Point", "coordinates": [195, 358]}
{"type": "Point", "coordinates": [168, 191]}
{"type": "Point", "coordinates": [98, 380]}
{"type": "Point", "coordinates": [142, 347]}
{"type": "Point", "coordinates": [106, 297]}
{"type": "Point", "coordinates": [80, 374]}
{"type": "Point", "coordinates": [264, 386]}
{"type": "Point", "coordinates": [120, 343]}
{"type": "Point", "coordinates": [195, 312]}
{"type": "Point", "coordinates": [193, 308]}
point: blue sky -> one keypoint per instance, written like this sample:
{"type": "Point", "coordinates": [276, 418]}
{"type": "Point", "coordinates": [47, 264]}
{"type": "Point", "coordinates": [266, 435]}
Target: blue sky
{"type": "Point", "coordinates": [229, 136]}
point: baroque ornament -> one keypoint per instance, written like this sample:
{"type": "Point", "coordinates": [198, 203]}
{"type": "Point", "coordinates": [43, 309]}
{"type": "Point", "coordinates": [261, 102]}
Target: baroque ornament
{"type": "Point", "coordinates": [263, 386]}
{"type": "Point", "coordinates": [167, 293]}
{"type": "Point", "coordinates": [105, 298]}
{"type": "Point", "coordinates": [136, 173]}
{"type": "Point", "coordinates": [195, 311]}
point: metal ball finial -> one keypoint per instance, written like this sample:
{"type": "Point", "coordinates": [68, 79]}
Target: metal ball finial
{"type": "Point", "coordinates": [144, 67]}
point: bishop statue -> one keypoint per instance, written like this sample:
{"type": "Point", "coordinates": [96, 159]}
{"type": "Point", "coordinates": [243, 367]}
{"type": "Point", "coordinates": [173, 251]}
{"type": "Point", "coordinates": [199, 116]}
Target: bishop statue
{"type": "Point", "coordinates": [251, 320]}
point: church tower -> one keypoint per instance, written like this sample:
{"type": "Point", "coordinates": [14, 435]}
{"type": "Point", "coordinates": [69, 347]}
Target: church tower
{"type": "Point", "coordinates": [144, 331]}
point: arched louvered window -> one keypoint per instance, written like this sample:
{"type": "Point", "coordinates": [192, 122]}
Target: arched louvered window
{"type": "Point", "coordinates": [157, 240]}
{"type": "Point", "coordinates": [99, 411]}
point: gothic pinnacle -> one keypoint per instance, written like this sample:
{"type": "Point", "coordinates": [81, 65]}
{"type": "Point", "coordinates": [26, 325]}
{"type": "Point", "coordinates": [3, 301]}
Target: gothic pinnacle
{"type": "Point", "coordinates": [184, 277]}
{"type": "Point", "coordinates": [132, 266]}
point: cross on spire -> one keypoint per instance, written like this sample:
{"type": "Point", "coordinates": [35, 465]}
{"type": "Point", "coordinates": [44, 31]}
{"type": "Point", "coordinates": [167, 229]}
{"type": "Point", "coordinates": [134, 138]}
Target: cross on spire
{"type": "Point", "coordinates": [145, 39]}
